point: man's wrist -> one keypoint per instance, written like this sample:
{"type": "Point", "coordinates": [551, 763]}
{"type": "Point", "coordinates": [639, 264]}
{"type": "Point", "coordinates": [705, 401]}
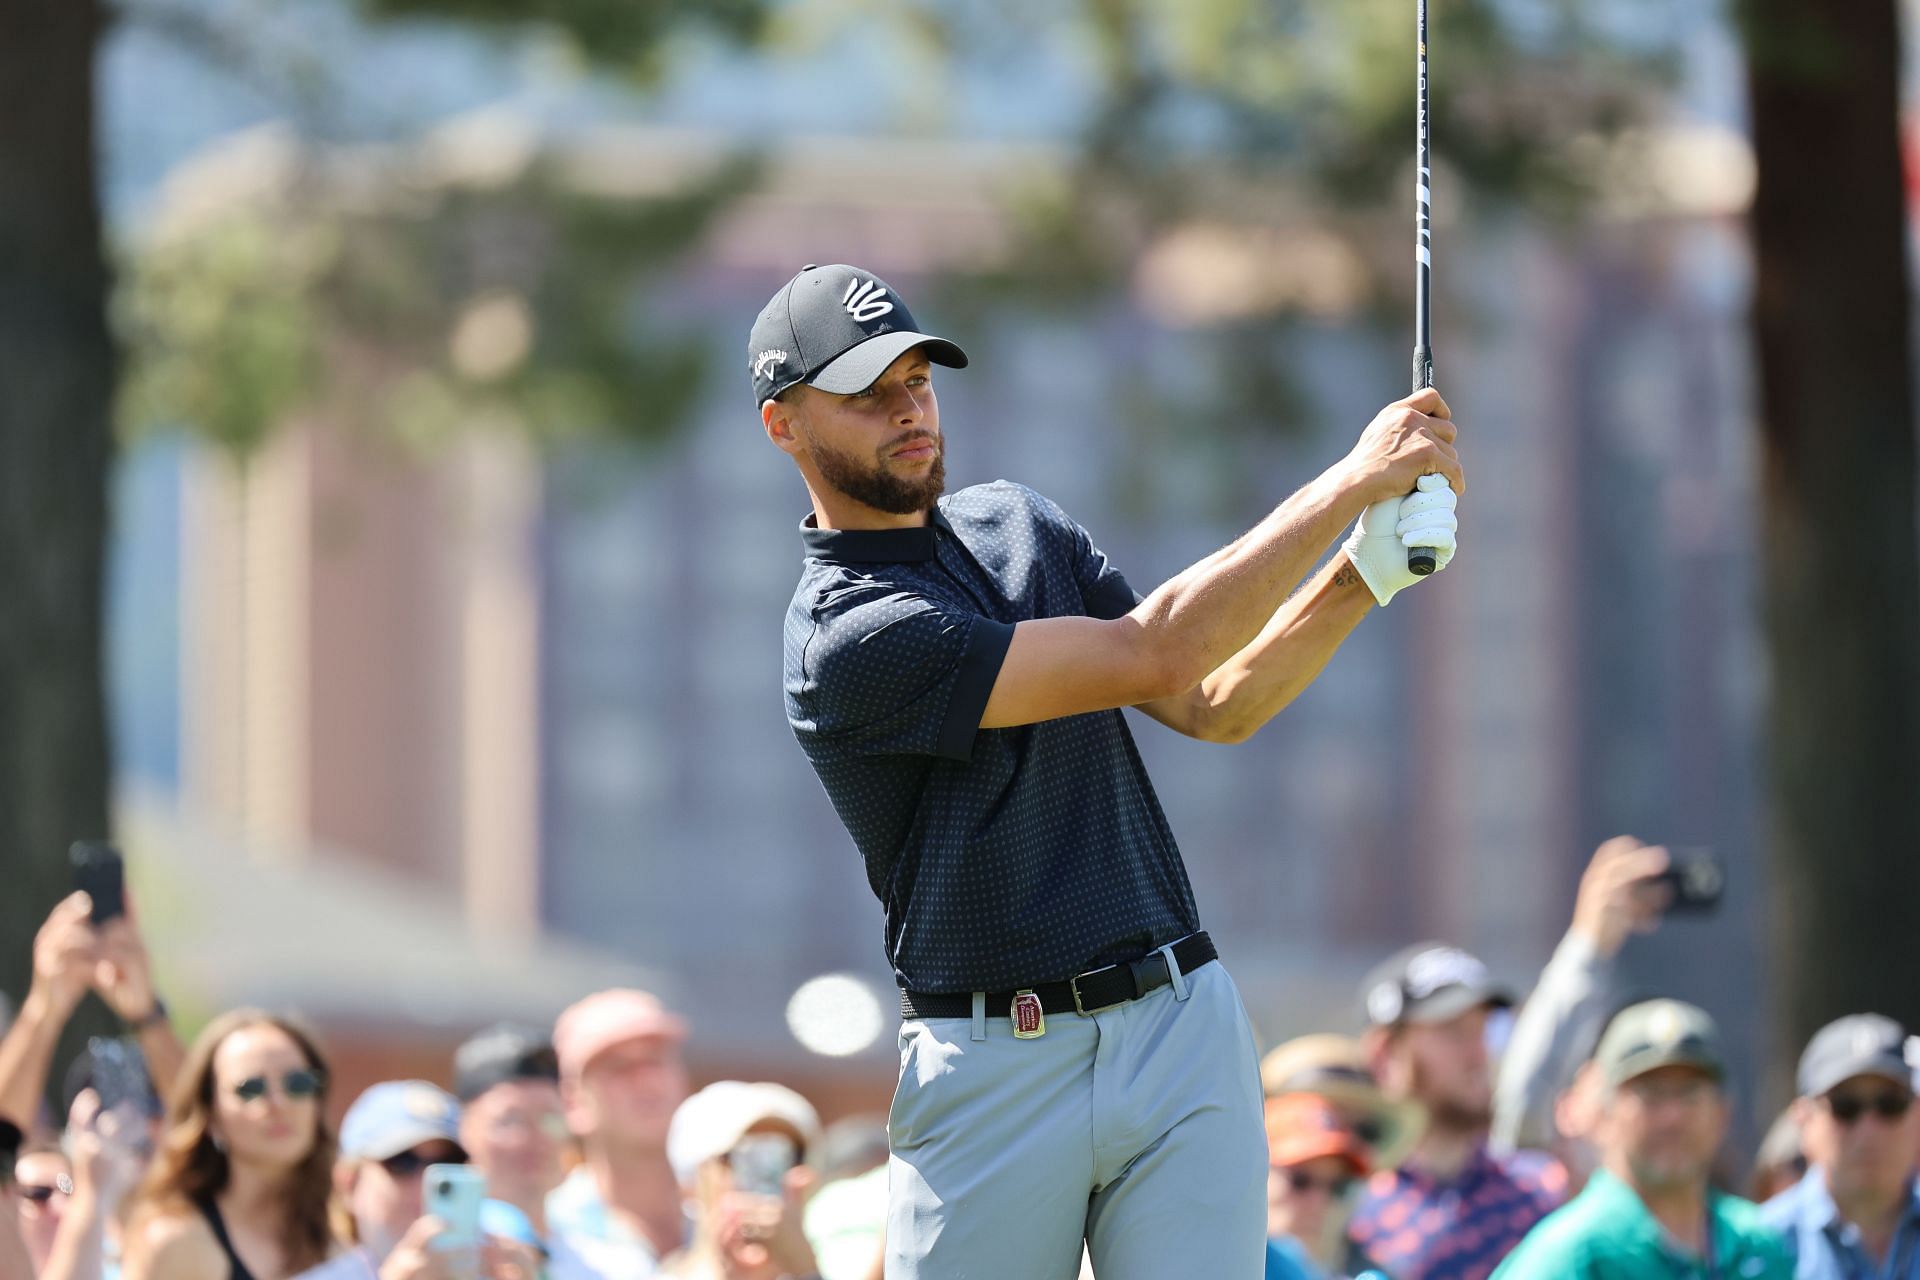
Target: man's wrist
{"type": "Point", "coordinates": [155, 1016]}
{"type": "Point", "coordinates": [43, 1004]}
{"type": "Point", "coordinates": [1348, 489]}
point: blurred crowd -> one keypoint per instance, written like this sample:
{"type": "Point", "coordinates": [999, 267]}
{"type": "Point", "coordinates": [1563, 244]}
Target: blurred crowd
{"type": "Point", "coordinates": [1465, 1132]}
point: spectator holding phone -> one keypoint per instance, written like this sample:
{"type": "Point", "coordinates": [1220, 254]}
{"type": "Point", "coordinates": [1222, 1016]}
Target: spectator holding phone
{"type": "Point", "coordinates": [1621, 894]}
{"type": "Point", "coordinates": [739, 1150]}
{"type": "Point", "coordinates": [1857, 1210]}
{"type": "Point", "coordinates": [239, 1187]}
{"type": "Point", "coordinates": [390, 1135]}
{"type": "Point", "coordinates": [514, 1126]}
{"type": "Point", "coordinates": [71, 956]}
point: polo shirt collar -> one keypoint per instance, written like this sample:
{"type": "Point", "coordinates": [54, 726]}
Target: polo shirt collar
{"type": "Point", "coordinates": [1634, 1221]}
{"type": "Point", "coordinates": [1625, 1209]}
{"type": "Point", "coordinates": [873, 546]}
{"type": "Point", "coordinates": [1479, 1167]}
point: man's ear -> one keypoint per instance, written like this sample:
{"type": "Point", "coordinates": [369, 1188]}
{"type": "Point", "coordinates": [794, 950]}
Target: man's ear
{"type": "Point", "coordinates": [778, 421]}
{"type": "Point", "coordinates": [1389, 1068]}
{"type": "Point", "coordinates": [345, 1174]}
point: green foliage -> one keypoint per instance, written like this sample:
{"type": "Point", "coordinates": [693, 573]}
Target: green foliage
{"type": "Point", "coordinates": [420, 312]}
{"type": "Point", "coordinates": [220, 327]}
{"type": "Point", "coordinates": [631, 36]}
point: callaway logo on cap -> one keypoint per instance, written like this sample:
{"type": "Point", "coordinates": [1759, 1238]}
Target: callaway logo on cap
{"type": "Point", "coordinates": [836, 328]}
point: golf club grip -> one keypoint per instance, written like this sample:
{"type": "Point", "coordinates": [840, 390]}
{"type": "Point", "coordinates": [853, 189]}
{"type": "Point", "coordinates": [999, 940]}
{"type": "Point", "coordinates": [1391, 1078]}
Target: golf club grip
{"type": "Point", "coordinates": [1422, 561]}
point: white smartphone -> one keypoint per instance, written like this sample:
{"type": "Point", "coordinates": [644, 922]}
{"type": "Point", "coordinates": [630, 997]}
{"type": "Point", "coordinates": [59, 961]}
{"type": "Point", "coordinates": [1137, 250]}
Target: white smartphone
{"type": "Point", "coordinates": [452, 1193]}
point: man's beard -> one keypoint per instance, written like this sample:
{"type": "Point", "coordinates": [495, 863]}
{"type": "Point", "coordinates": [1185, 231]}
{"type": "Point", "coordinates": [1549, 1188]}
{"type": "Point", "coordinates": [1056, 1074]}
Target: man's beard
{"type": "Point", "coordinates": [1448, 1112]}
{"type": "Point", "coordinates": [875, 486]}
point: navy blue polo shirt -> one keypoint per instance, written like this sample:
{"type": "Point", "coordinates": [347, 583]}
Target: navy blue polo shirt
{"type": "Point", "coordinates": [1004, 857]}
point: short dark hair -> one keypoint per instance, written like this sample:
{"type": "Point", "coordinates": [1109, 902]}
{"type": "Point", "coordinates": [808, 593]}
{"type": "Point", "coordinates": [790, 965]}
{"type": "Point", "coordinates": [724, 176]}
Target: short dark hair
{"type": "Point", "coordinates": [10, 1138]}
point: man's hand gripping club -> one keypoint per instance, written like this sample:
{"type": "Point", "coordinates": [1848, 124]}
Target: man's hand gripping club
{"type": "Point", "coordinates": [1407, 457]}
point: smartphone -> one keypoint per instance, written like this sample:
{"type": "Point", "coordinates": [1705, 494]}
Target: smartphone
{"type": "Point", "coordinates": [98, 869]}
{"type": "Point", "coordinates": [760, 1162]}
{"type": "Point", "coordinates": [1696, 878]}
{"type": "Point", "coordinates": [453, 1193]}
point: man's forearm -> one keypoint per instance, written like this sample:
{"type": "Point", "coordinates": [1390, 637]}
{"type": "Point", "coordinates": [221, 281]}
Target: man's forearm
{"type": "Point", "coordinates": [26, 1054]}
{"type": "Point", "coordinates": [1252, 686]}
{"type": "Point", "coordinates": [160, 1046]}
{"type": "Point", "coordinates": [1201, 617]}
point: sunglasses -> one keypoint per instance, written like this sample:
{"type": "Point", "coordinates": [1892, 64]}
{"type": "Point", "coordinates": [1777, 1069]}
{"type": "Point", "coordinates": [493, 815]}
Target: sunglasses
{"type": "Point", "coordinates": [1849, 1107]}
{"type": "Point", "coordinates": [299, 1084]}
{"type": "Point", "coordinates": [41, 1193]}
{"type": "Point", "coordinates": [1301, 1182]}
{"type": "Point", "coordinates": [408, 1164]}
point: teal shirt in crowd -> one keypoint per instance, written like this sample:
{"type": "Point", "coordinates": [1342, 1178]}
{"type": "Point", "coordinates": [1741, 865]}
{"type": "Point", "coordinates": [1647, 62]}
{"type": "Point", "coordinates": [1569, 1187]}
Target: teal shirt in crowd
{"type": "Point", "coordinates": [1607, 1233]}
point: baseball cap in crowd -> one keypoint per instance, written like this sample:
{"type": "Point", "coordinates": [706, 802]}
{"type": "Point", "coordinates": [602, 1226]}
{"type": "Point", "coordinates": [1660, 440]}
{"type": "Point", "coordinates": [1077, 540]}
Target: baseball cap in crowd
{"type": "Point", "coordinates": [604, 1019]}
{"type": "Point", "coordinates": [1334, 1067]}
{"type": "Point", "coordinates": [1861, 1044]}
{"type": "Point", "coordinates": [712, 1122]}
{"type": "Point", "coordinates": [1303, 1127]}
{"type": "Point", "coordinates": [836, 328]}
{"type": "Point", "coordinates": [1659, 1033]}
{"type": "Point", "coordinates": [1429, 982]}
{"type": "Point", "coordinates": [396, 1116]}
{"type": "Point", "coordinates": [499, 1055]}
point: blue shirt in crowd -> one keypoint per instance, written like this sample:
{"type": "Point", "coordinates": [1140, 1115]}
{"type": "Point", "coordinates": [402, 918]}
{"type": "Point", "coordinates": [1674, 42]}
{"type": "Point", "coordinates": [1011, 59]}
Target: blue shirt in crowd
{"type": "Point", "coordinates": [1825, 1248]}
{"type": "Point", "coordinates": [1004, 857]}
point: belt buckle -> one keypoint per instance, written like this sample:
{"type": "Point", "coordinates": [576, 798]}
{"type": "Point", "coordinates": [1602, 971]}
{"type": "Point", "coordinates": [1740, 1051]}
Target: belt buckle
{"type": "Point", "coordinates": [1029, 1016]}
{"type": "Point", "coordinates": [1136, 969]}
{"type": "Point", "coordinates": [1073, 985]}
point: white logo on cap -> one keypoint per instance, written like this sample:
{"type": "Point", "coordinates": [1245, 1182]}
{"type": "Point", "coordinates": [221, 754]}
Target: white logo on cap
{"type": "Point", "coordinates": [1430, 971]}
{"type": "Point", "coordinates": [426, 1104]}
{"type": "Point", "coordinates": [1384, 1003]}
{"type": "Point", "coordinates": [865, 300]}
{"type": "Point", "coordinates": [1665, 1026]}
{"type": "Point", "coordinates": [766, 362]}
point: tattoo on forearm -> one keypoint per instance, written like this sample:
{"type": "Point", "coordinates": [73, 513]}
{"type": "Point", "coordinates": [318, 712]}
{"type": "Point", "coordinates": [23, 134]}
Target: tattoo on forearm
{"type": "Point", "coordinates": [1346, 576]}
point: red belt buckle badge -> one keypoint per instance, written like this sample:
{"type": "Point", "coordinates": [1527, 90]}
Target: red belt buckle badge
{"type": "Point", "coordinates": [1029, 1019]}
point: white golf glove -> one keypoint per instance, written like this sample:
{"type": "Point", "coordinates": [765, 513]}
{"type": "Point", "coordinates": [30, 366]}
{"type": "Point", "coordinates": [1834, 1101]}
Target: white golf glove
{"type": "Point", "coordinates": [1379, 542]}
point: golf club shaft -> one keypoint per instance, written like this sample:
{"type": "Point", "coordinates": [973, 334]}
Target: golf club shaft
{"type": "Point", "coordinates": [1422, 560]}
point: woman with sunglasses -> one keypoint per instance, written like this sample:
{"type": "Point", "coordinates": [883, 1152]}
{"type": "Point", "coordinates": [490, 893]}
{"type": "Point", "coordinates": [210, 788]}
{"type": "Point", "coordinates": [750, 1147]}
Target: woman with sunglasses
{"type": "Point", "coordinates": [240, 1185]}
{"type": "Point", "coordinates": [1315, 1164]}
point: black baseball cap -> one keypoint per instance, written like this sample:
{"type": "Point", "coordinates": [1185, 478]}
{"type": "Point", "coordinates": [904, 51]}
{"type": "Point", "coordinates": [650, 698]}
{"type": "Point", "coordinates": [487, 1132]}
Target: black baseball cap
{"type": "Point", "coordinates": [836, 328]}
{"type": "Point", "coordinates": [1429, 982]}
{"type": "Point", "coordinates": [1861, 1044]}
{"type": "Point", "coordinates": [500, 1055]}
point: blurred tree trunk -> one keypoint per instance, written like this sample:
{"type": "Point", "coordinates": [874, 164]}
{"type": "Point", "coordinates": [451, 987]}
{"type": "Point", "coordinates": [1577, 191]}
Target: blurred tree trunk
{"type": "Point", "coordinates": [56, 388]}
{"type": "Point", "coordinates": [1837, 521]}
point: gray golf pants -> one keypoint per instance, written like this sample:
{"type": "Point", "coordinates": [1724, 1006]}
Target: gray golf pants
{"type": "Point", "coordinates": [1137, 1130]}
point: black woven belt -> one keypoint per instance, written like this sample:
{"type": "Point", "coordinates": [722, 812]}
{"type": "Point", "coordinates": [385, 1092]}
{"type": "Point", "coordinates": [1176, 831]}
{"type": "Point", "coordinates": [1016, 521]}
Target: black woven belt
{"type": "Point", "coordinates": [1091, 992]}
